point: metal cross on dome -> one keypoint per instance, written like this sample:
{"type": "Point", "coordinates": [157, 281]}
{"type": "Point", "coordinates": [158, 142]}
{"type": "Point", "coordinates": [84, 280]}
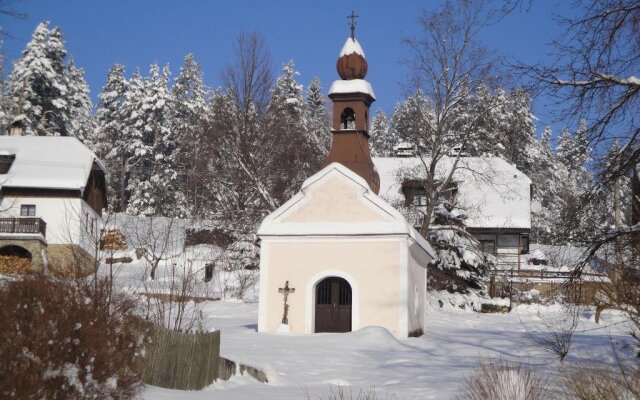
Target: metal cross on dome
{"type": "Point", "coordinates": [353, 17]}
{"type": "Point", "coordinates": [286, 291]}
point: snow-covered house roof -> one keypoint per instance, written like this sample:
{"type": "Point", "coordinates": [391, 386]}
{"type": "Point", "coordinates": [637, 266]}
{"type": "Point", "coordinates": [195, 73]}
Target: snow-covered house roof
{"type": "Point", "coordinates": [492, 192]}
{"type": "Point", "coordinates": [47, 162]}
{"type": "Point", "coordinates": [344, 206]}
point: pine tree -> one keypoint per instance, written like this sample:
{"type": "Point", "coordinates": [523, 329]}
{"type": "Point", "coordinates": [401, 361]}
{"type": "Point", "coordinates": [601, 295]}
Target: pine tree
{"type": "Point", "coordinates": [154, 186]}
{"type": "Point", "coordinates": [383, 140]}
{"type": "Point", "coordinates": [187, 119]}
{"type": "Point", "coordinates": [411, 122]}
{"type": "Point", "coordinates": [296, 152]}
{"type": "Point", "coordinates": [317, 119]}
{"type": "Point", "coordinates": [81, 122]}
{"type": "Point", "coordinates": [5, 103]}
{"type": "Point", "coordinates": [38, 86]}
{"type": "Point", "coordinates": [110, 143]}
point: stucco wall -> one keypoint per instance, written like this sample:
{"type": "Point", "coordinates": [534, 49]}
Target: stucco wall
{"type": "Point", "coordinates": [65, 218]}
{"type": "Point", "coordinates": [371, 265]}
{"type": "Point", "coordinates": [417, 272]}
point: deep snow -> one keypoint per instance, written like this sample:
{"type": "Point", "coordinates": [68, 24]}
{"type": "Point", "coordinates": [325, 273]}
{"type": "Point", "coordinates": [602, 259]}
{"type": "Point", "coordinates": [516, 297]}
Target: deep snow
{"type": "Point", "coordinates": [430, 367]}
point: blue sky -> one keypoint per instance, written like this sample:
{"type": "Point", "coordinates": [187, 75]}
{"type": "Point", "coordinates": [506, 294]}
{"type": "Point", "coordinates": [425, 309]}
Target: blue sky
{"type": "Point", "coordinates": [138, 33]}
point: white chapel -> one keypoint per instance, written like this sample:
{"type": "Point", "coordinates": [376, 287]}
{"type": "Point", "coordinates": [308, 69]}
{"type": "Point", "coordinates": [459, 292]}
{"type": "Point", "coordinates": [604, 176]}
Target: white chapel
{"type": "Point", "coordinates": [337, 257]}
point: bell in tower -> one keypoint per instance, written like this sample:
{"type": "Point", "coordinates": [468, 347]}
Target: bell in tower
{"type": "Point", "coordinates": [352, 96]}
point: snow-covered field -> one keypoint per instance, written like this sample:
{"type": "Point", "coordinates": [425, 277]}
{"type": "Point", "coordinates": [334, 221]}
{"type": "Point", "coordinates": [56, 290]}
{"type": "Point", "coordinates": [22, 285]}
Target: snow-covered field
{"type": "Point", "coordinates": [430, 367]}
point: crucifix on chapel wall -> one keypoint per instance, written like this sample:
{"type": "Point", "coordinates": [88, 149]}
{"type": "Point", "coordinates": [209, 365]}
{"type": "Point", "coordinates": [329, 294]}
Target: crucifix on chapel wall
{"type": "Point", "coordinates": [286, 291]}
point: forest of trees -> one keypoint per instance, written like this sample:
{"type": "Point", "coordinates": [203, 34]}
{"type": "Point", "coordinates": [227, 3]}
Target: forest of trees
{"type": "Point", "coordinates": [176, 147]}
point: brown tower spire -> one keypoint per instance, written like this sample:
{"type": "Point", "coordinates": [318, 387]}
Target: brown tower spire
{"type": "Point", "coordinates": [352, 96]}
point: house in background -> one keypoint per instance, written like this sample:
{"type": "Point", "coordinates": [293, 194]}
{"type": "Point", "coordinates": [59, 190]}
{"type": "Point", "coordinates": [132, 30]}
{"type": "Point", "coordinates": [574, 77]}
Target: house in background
{"type": "Point", "coordinates": [493, 194]}
{"type": "Point", "coordinates": [52, 192]}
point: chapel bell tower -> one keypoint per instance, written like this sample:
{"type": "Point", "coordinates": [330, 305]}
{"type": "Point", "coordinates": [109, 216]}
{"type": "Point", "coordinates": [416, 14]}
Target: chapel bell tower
{"type": "Point", "coordinates": [352, 96]}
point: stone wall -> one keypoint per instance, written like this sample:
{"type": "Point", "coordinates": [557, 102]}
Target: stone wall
{"type": "Point", "coordinates": [62, 259]}
{"type": "Point", "coordinates": [70, 259]}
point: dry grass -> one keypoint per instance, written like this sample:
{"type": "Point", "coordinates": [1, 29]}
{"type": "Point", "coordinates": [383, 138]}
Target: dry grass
{"type": "Point", "coordinates": [340, 393]}
{"type": "Point", "coordinates": [500, 380]}
{"type": "Point", "coordinates": [596, 383]}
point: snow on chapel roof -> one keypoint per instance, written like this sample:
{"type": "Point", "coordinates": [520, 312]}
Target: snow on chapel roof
{"type": "Point", "coordinates": [492, 192]}
{"type": "Point", "coordinates": [48, 162]}
{"type": "Point", "coordinates": [330, 215]}
{"type": "Point", "coordinates": [352, 86]}
{"type": "Point", "coordinates": [351, 46]}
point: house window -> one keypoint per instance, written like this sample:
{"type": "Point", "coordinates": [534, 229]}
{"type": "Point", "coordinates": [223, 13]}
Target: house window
{"type": "Point", "coordinates": [208, 272]}
{"type": "Point", "coordinates": [488, 246]}
{"type": "Point", "coordinates": [6, 160]}
{"type": "Point", "coordinates": [28, 210]}
{"type": "Point", "coordinates": [524, 244]}
{"type": "Point", "coordinates": [420, 200]}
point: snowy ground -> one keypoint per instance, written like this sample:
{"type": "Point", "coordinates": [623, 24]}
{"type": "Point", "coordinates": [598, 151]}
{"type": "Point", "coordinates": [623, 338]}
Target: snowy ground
{"type": "Point", "coordinates": [430, 367]}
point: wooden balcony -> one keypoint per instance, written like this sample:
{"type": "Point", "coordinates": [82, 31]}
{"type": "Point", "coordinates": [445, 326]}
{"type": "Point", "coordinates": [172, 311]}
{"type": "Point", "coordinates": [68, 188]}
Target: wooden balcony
{"type": "Point", "coordinates": [22, 225]}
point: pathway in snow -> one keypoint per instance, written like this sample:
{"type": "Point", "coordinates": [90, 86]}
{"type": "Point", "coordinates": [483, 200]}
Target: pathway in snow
{"type": "Point", "coordinates": [429, 367]}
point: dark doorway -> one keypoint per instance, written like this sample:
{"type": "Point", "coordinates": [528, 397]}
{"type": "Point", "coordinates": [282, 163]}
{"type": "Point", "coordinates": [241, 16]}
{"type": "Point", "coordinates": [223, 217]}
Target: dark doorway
{"type": "Point", "coordinates": [333, 305]}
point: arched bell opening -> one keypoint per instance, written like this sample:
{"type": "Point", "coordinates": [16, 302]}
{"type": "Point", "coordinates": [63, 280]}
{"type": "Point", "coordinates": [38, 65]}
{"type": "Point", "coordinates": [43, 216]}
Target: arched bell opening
{"type": "Point", "coordinates": [348, 119]}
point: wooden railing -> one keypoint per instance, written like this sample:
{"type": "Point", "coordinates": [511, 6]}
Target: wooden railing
{"type": "Point", "coordinates": [23, 225]}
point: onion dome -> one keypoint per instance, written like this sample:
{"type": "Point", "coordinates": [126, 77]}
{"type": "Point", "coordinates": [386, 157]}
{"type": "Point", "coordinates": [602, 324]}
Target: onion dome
{"type": "Point", "coordinates": [352, 64]}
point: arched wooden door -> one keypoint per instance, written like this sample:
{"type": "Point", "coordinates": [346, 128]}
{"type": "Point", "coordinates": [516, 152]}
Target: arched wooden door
{"type": "Point", "coordinates": [333, 305]}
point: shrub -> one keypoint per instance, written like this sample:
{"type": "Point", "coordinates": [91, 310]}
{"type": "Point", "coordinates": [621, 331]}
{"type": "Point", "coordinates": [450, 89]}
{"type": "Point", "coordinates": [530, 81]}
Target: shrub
{"type": "Point", "coordinates": [588, 383]}
{"type": "Point", "coordinates": [499, 380]}
{"type": "Point", "coordinates": [63, 339]}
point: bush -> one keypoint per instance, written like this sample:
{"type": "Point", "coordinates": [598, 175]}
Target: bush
{"type": "Point", "coordinates": [588, 383]}
{"type": "Point", "coordinates": [499, 380]}
{"type": "Point", "coordinates": [62, 339]}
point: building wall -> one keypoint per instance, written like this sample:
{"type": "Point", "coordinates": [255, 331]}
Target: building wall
{"type": "Point", "coordinates": [371, 266]}
{"type": "Point", "coordinates": [417, 288]}
{"type": "Point", "coordinates": [66, 218]}
{"type": "Point", "coordinates": [507, 247]}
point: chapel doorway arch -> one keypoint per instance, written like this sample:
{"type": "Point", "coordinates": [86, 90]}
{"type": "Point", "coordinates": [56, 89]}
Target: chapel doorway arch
{"type": "Point", "coordinates": [333, 305]}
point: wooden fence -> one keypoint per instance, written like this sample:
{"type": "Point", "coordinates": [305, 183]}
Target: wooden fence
{"type": "Point", "coordinates": [176, 360]}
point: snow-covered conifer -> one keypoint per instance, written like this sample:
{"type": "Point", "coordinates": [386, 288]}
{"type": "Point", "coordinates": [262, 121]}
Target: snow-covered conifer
{"type": "Point", "coordinates": [110, 143]}
{"type": "Point", "coordinates": [81, 122]}
{"type": "Point", "coordinates": [383, 140]}
{"type": "Point", "coordinates": [317, 119]}
{"type": "Point", "coordinates": [38, 86]}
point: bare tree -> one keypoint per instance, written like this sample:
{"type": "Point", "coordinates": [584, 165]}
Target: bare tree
{"type": "Point", "coordinates": [595, 78]}
{"type": "Point", "coordinates": [554, 331]}
{"type": "Point", "coordinates": [447, 61]}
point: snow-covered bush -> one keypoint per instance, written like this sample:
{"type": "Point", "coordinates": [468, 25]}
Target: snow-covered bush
{"type": "Point", "coordinates": [62, 339]}
{"type": "Point", "coordinates": [500, 380]}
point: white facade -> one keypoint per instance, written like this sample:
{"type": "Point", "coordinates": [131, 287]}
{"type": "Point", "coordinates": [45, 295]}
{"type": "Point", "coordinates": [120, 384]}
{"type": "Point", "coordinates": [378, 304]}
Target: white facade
{"type": "Point", "coordinates": [57, 180]}
{"type": "Point", "coordinates": [337, 227]}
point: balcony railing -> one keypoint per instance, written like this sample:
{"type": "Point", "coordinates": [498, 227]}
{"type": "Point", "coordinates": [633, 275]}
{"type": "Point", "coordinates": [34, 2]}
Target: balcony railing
{"type": "Point", "coordinates": [23, 225]}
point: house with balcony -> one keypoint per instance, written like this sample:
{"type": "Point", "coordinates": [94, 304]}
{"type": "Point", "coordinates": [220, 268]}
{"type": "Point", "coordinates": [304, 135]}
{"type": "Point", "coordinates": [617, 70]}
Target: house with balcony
{"type": "Point", "coordinates": [492, 193]}
{"type": "Point", "coordinates": [52, 192]}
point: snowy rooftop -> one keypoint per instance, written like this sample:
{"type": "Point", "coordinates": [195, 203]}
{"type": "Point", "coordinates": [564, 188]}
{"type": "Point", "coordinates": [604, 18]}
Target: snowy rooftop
{"type": "Point", "coordinates": [276, 223]}
{"type": "Point", "coordinates": [49, 162]}
{"type": "Point", "coordinates": [352, 86]}
{"type": "Point", "coordinates": [491, 192]}
{"type": "Point", "coordinates": [351, 46]}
